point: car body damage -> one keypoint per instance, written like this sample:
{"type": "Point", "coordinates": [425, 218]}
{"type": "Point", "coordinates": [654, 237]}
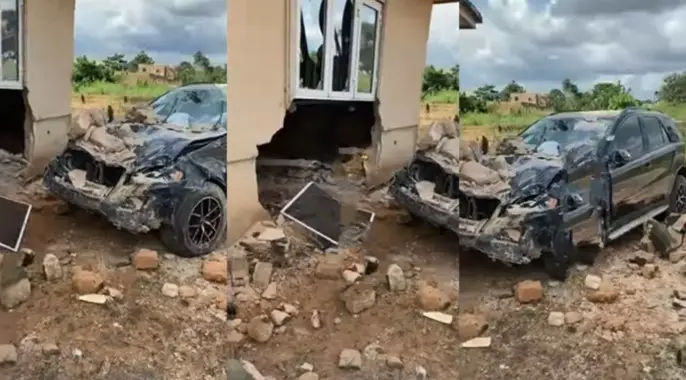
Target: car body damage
{"type": "Point", "coordinates": [567, 180]}
{"type": "Point", "coordinates": [131, 172]}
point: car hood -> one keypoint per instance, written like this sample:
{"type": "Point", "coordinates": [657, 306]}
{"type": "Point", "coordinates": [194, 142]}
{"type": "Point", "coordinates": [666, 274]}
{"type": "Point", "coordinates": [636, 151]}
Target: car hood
{"type": "Point", "coordinates": [160, 146]}
{"type": "Point", "coordinates": [533, 175]}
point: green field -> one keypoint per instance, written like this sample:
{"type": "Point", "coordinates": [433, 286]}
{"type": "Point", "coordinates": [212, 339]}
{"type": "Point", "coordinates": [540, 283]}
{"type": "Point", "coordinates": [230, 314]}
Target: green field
{"type": "Point", "coordinates": [139, 90]}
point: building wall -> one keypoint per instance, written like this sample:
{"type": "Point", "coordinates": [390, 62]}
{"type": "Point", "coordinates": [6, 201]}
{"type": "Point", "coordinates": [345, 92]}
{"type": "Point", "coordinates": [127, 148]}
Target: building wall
{"type": "Point", "coordinates": [48, 59]}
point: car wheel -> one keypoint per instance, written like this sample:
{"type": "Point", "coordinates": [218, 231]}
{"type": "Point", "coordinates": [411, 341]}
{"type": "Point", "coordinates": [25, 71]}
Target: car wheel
{"type": "Point", "coordinates": [677, 199]}
{"type": "Point", "coordinates": [198, 225]}
{"type": "Point", "coordinates": [556, 267]}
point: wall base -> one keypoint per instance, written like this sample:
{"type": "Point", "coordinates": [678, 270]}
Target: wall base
{"type": "Point", "coordinates": [393, 149]}
{"type": "Point", "coordinates": [243, 206]}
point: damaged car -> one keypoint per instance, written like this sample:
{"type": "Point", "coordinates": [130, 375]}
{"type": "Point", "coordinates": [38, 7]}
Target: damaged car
{"type": "Point", "coordinates": [568, 180]}
{"type": "Point", "coordinates": [163, 168]}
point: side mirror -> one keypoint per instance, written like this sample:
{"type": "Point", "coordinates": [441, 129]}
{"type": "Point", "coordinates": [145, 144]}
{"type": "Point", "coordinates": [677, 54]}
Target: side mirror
{"type": "Point", "coordinates": [620, 156]}
{"type": "Point", "coordinates": [574, 201]}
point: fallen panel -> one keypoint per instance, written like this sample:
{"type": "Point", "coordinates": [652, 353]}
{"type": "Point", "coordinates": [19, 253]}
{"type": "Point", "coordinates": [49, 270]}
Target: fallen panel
{"type": "Point", "coordinates": [332, 222]}
{"type": "Point", "coordinates": [14, 216]}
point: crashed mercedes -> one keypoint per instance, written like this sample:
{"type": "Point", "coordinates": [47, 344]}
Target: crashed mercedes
{"type": "Point", "coordinates": [568, 180]}
{"type": "Point", "coordinates": [163, 168]}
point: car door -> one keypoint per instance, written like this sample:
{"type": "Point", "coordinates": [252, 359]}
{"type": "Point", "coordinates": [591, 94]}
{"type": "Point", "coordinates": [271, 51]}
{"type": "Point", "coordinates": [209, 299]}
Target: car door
{"type": "Point", "coordinates": [627, 168]}
{"type": "Point", "coordinates": [659, 157]}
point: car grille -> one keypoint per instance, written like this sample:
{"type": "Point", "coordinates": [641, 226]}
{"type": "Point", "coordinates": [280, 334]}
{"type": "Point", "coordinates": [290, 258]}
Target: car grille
{"type": "Point", "coordinates": [96, 171]}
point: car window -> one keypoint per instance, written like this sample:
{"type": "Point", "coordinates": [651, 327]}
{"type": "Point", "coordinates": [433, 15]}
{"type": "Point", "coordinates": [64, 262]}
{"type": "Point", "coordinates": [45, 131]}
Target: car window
{"type": "Point", "coordinates": [628, 137]}
{"type": "Point", "coordinates": [164, 105]}
{"type": "Point", "coordinates": [654, 132]}
{"type": "Point", "coordinates": [192, 106]}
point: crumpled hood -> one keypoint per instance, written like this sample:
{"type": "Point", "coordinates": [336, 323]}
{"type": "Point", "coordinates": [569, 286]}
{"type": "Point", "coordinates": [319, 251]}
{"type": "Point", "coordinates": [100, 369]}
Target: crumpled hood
{"type": "Point", "coordinates": [533, 175]}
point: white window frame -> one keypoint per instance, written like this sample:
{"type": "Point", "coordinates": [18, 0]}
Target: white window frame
{"type": "Point", "coordinates": [327, 92]}
{"type": "Point", "coordinates": [19, 83]}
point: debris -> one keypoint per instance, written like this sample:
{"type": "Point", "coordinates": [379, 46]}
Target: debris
{"type": "Point", "coordinates": [8, 354]}
{"type": "Point", "coordinates": [170, 290]}
{"type": "Point", "coordinates": [605, 294]}
{"type": "Point", "coordinates": [649, 271]}
{"type": "Point", "coordinates": [306, 367]}
{"type": "Point", "coordinates": [470, 325]}
{"type": "Point", "coordinates": [394, 362]}
{"type": "Point", "coordinates": [431, 298]}
{"type": "Point", "coordinates": [146, 259]}
{"type": "Point", "coordinates": [270, 292]}
{"type": "Point", "coordinates": [350, 276]}
{"type": "Point", "coordinates": [395, 278]}
{"type": "Point", "coordinates": [262, 274]}
{"type": "Point", "coordinates": [271, 234]}
{"type": "Point", "coordinates": [308, 376]}
{"type": "Point", "coordinates": [676, 256]}
{"type": "Point", "coordinates": [371, 265]}
{"type": "Point", "coordinates": [350, 359]}
{"type": "Point", "coordinates": [50, 349]}
{"type": "Point", "coordinates": [573, 317]}
{"type": "Point", "coordinates": [85, 282]}
{"type": "Point", "coordinates": [99, 299]}
{"type": "Point", "coordinates": [329, 267]}
{"type": "Point", "coordinates": [216, 271]}
{"type": "Point", "coordinates": [592, 281]}
{"type": "Point", "coordinates": [290, 309]}
{"type": "Point", "coordinates": [114, 293]}
{"type": "Point", "coordinates": [315, 320]}
{"type": "Point", "coordinates": [438, 316]}
{"type": "Point", "coordinates": [529, 291]}
{"type": "Point", "coordinates": [187, 292]}
{"type": "Point", "coordinates": [556, 318]}
{"type": "Point", "coordinates": [260, 328]}
{"type": "Point", "coordinates": [479, 342]}
{"type": "Point", "coordinates": [279, 317]}
{"type": "Point", "coordinates": [15, 294]}
{"type": "Point", "coordinates": [374, 351]}
{"type": "Point", "coordinates": [235, 337]}
{"type": "Point", "coordinates": [420, 372]}
{"type": "Point", "coordinates": [240, 270]}
{"type": "Point", "coordinates": [51, 267]}
{"type": "Point", "coordinates": [358, 298]}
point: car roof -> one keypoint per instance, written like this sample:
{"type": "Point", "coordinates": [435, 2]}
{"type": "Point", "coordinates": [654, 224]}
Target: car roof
{"type": "Point", "coordinates": [587, 114]}
{"type": "Point", "coordinates": [204, 86]}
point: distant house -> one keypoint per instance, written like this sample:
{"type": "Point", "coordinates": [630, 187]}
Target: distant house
{"type": "Point", "coordinates": [158, 71]}
{"type": "Point", "coordinates": [531, 99]}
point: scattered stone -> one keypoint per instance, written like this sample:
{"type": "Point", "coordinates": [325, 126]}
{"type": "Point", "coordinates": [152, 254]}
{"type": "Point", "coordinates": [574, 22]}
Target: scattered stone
{"type": "Point", "coordinates": [234, 323]}
{"type": "Point", "coordinates": [280, 317]}
{"type": "Point", "coordinates": [529, 291]}
{"type": "Point", "coordinates": [246, 294]}
{"type": "Point", "coordinates": [350, 359]}
{"type": "Point", "coordinates": [646, 244]}
{"type": "Point", "coordinates": [337, 321]}
{"type": "Point", "coordinates": [420, 372]}
{"type": "Point", "coordinates": [260, 328]}
{"type": "Point", "coordinates": [394, 362]}
{"type": "Point", "coordinates": [270, 292]}
{"type": "Point", "coordinates": [605, 294]}
{"type": "Point", "coordinates": [438, 316]}
{"type": "Point", "coordinates": [470, 326]}
{"type": "Point", "coordinates": [170, 290]}
{"type": "Point", "coordinates": [431, 298]}
{"type": "Point", "coordinates": [350, 276]}
{"type": "Point", "coordinates": [649, 271]}
{"type": "Point", "coordinates": [329, 267]}
{"type": "Point", "coordinates": [86, 282]}
{"type": "Point", "coordinates": [52, 267]}
{"type": "Point", "coordinates": [216, 271]}
{"type": "Point", "coordinates": [677, 255]}
{"type": "Point", "coordinates": [15, 294]}
{"type": "Point", "coordinates": [146, 259]}
{"type": "Point", "coordinates": [680, 294]}
{"type": "Point", "coordinates": [99, 299]}
{"type": "Point", "coordinates": [315, 320]}
{"type": "Point", "coordinates": [8, 354]}
{"type": "Point", "coordinates": [309, 376]}
{"type": "Point", "coordinates": [288, 308]}
{"type": "Point", "coordinates": [306, 367]}
{"type": "Point", "coordinates": [371, 265]}
{"type": "Point", "coordinates": [358, 298]}
{"type": "Point", "coordinates": [678, 303]}
{"type": "Point", "coordinates": [240, 270]}
{"type": "Point", "coordinates": [114, 293]}
{"type": "Point", "coordinates": [374, 351]}
{"type": "Point", "coordinates": [251, 370]}
{"type": "Point", "coordinates": [556, 318]}
{"type": "Point", "coordinates": [187, 291]}
{"type": "Point", "coordinates": [50, 349]}
{"type": "Point", "coordinates": [480, 342]}
{"type": "Point", "coordinates": [396, 278]}
{"type": "Point", "coordinates": [262, 274]}
{"type": "Point", "coordinates": [593, 282]}
{"type": "Point", "coordinates": [581, 267]}
{"type": "Point", "coordinates": [573, 317]}
{"type": "Point", "coordinates": [235, 337]}
{"type": "Point", "coordinates": [272, 234]}
{"type": "Point", "coordinates": [235, 370]}
{"type": "Point", "coordinates": [76, 353]}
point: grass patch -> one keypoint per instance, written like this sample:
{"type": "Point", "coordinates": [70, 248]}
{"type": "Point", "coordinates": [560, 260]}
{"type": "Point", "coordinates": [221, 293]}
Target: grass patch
{"type": "Point", "coordinates": [495, 119]}
{"type": "Point", "coordinates": [444, 96]}
{"type": "Point", "coordinates": [141, 90]}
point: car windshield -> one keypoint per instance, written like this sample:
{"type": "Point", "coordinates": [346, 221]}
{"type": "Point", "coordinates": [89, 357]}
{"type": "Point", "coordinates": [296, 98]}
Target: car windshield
{"type": "Point", "coordinates": [193, 106]}
{"type": "Point", "coordinates": [566, 131]}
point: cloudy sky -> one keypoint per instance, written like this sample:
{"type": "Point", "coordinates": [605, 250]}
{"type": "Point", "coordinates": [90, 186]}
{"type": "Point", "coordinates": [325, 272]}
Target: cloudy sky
{"type": "Point", "coordinates": [172, 30]}
{"type": "Point", "coordinates": [541, 42]}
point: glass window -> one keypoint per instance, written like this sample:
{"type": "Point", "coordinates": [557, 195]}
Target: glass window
{"type": "Point", "coordinates": [628, 137]}
{"type": "Point", "coordinates": [9, 33]}
{"type": "Point", "coordinates": [312, 44]}
{"type": "Point", "coordinates": [655, 132]}
{"type": "Point", "coordinates": [191, 107]}
{"type": "Point", "coordinates": [369, 19]}
{"type": "Point", "coordinates": [343, 13]}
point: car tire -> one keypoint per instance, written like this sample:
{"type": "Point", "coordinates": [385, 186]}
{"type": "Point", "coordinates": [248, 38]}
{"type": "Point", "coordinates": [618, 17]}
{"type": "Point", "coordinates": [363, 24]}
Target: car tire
{"type": "Point", "coordinates": [180, 234]}
{"type": "Point", "coordinates": [677, 198]}
{"type": "Point", "coordinates": [556, 267]}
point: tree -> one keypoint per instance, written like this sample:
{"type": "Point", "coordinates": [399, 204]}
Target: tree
{"type": "Point", "coordinates": [201, 61]}
{"type": "Point", "coordinates": [436, 80]}
{"type": "Point", "coordinates": [487, 93]}
{"type": "Point", "coordinates": [673, 88]}
{"type": "Point", "coordinates": [86, 71]}
{"type": "Point", "coordinates": [471, 103]}
{"type": "Point", "coordinates": [116, 62]}
{"type": "Point", "coordinates": [142, 58]}
{"type": "Point", "coordinates": [511, 88]}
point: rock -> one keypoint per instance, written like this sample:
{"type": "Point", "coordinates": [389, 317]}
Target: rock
{"type": "Point", "coordinates": [421, 372]}
{"type": "Point", "coordinates": [308, 376]}
{"type": "Point", "coordinates": [371, 265]}
{"type": "Point", "coordinates": [8, 354]}
{"type": "Point", "coordinates": [374, 351]}
{"type": "Point", "coordinates": [114, 293]}
{"type": "Point", "coordinates": [187, 291]}
{"type": "Point", "coordinates": [592, 281]}
{"type": "Point", "coordinates": [260, 328]}
{"type": "Point", "coordinates": [15, 294]}
{"type": "Point", "coordinates": [470, 326]}
{"type": "Point", "coordinates": [234, 323]}
{"type": "Point", "coordinates": [306, 367]}
{"type": "Point", "coordinates": [50, 349]}
{"type": "Point", "coordinates": [86, 282]}
{"type": "Point", "coordinates": [350, 359]}
{"type": "Point", "coordinates": [99, 299]}
{"type": "Point", "coordinates": [170, 290]}
{"type": "Point", "coordinates": [241, 370]}
{"type": "Point", "coordinates": [329, 267]}
{"type": "Point", "coordinates": [315, 321]}
{"type": "Point", "coordinates": [262, 275]}
{"type": "Point", "coordinates": [216, 271]}
{"type": "Point", "coordinates": [350, 276]}
{"type": "Point", "coordinates": [358, 298]}
{"type": "Point", "coordinates": [572, 317]}
{"type": "Point", "coordinates": [649, 271]}
{"type": "Point", "coordinates": [529, 291]}
{"type": "Point", "coordinates": [337, 321]}
{"type": "Point", "coordinates": [680, 294]}
{"type": "Point", "coordinates": [605, 294]}
{"type": "Point", "coordinates": [480, 342]}
{"type": "Point", "coordinates": [235, 337]}
{"type": "Point", "coordinates": [52, 267]}
{"type": "Point", "coordinates": [246, 294]}
{"type": "Point", "coordinates": [290, 309]}
{"type": "Point", "coordinates": [431, 298]}
{"type": "Point", "coordinates": [271, 234]}
{"type": "Point", "coordinates": [439, 316]}
{"type": "Point", "coordinates": [676, 256]}
{"type": "Point", "coordinates": [556, 318]}
{"type": "Point", "coordinates": [240, 270]}
{"type": "Point", "coordinates": [396, 278]}
{"type": "Point", "coordinates": [394, 362]}
{"type": "Point", "coordinates": [270, 292]}
{"type": "Point", "coordinates": [146, 259]}
{"type": "Point", "coordinates": [279, 317]}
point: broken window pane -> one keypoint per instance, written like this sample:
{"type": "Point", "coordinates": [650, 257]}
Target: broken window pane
{"type": "Point", "coordinates": [368, 39]}
{"type": "Point", "coordinates": [9, 32]}
{"type": "Point", "coordinates": [344, 11]}
{"type": "Point", "coordinates": [312, 44]}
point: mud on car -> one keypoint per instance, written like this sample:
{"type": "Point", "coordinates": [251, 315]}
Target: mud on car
{"type": "Point", "coordinates": [163, 168]}
{"type": "Point", "coordinates": [568, 180]}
